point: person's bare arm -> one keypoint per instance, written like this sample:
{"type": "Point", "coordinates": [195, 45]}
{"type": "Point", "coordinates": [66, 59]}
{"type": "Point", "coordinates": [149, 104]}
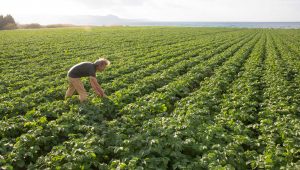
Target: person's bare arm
{"type": "Point", "coordinates": [97, 88]}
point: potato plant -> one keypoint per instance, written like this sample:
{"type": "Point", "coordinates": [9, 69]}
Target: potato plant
{"type": "Point", "coordinates": [178, 98]}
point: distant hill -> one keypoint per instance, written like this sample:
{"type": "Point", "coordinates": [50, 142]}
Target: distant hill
{"type": "Point", "coordinates": [95, 20]}
{"type": "Point", "coordinates": [80, 20]}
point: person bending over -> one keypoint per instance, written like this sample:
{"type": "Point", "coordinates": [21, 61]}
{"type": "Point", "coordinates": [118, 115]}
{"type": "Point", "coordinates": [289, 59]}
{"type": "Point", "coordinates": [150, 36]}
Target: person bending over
{"type": "Point", "coordinates": [86, 69]}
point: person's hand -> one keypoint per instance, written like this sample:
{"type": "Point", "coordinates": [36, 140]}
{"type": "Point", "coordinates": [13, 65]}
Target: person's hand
{"type": "Point", "coordinates": [102, 94]}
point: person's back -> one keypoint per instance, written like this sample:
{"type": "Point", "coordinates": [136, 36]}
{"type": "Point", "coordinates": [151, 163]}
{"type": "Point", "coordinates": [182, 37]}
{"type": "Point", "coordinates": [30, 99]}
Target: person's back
{"type": "Point", "coordinates": [84, 69]}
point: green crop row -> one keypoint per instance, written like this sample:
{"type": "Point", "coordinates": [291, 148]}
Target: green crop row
{"type": "Point", "coordinates": [178, 98]}
{"type": "Point", "coordinates": [129, 112]}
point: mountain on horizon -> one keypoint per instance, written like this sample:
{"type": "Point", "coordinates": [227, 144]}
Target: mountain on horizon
{"type": "Point", "coordinates": [96, 20]}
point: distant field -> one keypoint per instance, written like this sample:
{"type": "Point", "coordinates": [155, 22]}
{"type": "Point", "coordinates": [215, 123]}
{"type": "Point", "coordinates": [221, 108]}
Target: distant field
{"type": "Point", "coordinates": [179, 98]}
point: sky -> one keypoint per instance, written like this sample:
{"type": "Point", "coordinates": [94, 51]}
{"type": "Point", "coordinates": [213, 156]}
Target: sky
{"type": "Point", "coordinates": [27, 11]}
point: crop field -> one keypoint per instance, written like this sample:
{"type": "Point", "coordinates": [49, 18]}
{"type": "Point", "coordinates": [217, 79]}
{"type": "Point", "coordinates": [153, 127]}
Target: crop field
{"type": "Point", "coordinates": [178, 98]}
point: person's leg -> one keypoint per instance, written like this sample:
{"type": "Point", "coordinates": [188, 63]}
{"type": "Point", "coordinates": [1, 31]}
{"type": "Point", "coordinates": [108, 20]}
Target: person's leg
{"type": "Point", "coordinates": [78, 85]}
{"type": "Point", "coordinates": [71, 89]}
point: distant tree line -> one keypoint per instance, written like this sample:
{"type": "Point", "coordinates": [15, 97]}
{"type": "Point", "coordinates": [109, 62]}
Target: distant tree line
{"type": "Point", "coordinates": [30, 26]}
{"type": "Point", "coordinates": [36, 25]}
{"type": "Point", "coordinates": [7, 22]}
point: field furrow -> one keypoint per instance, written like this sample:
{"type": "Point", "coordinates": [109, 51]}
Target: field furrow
{"type": "Point", "coordinates": [119, 100]}
{"type": "Point", "coordinates": [178, 98]}
{"type": "Point", "coordinates": [47, 96]}
{"type": "Point", "coordinates": [127, 115]}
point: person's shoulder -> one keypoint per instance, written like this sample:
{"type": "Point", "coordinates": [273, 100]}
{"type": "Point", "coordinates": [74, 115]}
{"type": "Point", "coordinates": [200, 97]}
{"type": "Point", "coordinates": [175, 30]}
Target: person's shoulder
{"type": "Point", "coordinates": [86, 62]}
{"type": "Point", "coordinates": [84, 65]}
